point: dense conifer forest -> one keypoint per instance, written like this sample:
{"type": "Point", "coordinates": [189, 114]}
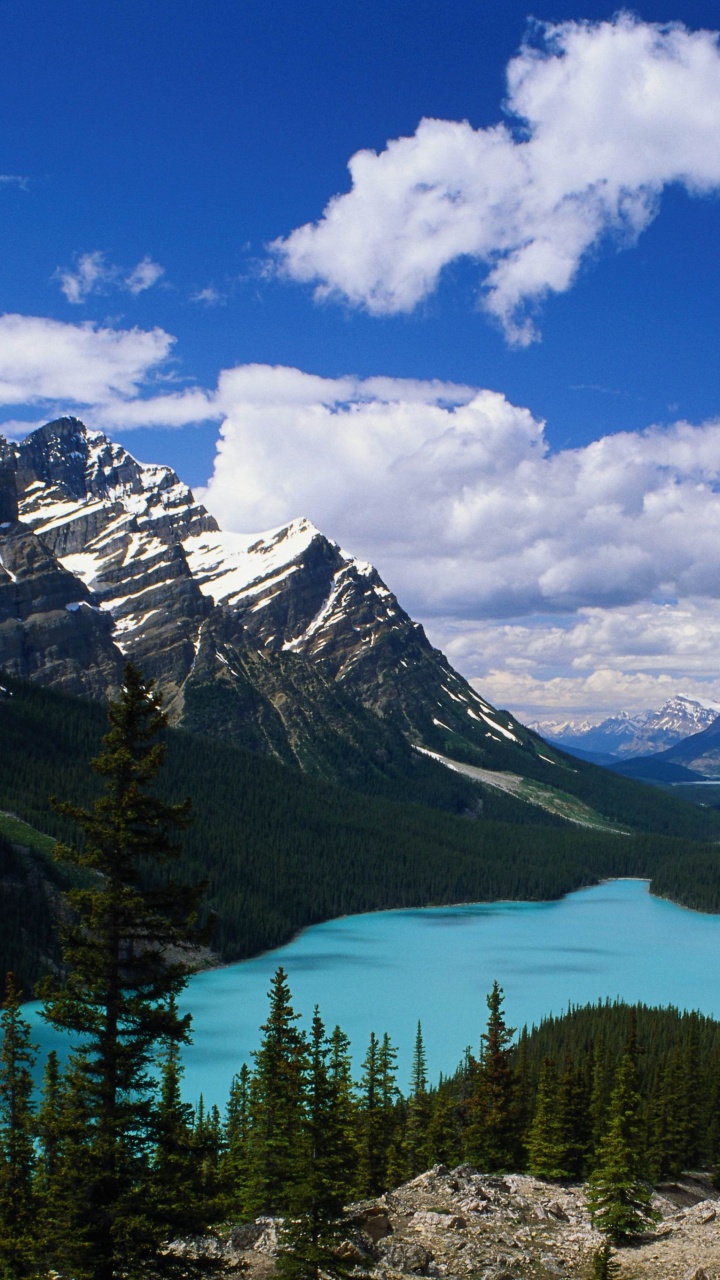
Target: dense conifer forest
{"type": "Point", "coordinates": [110, 1164]}
{"type": "Point", "coordinates": [280, 851]}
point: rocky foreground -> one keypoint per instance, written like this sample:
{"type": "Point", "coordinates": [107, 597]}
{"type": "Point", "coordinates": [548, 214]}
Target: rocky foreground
{"type": "Point", "coordinates": [460, 1223]}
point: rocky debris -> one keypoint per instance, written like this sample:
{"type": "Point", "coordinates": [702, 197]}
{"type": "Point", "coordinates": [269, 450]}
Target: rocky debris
{"type": "Point", "coordinates": [453, 1224]}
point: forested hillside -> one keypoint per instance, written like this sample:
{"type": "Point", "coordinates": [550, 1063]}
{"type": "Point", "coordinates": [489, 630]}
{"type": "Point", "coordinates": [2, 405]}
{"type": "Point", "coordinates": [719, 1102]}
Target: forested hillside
{"type": "Point", "coordinates": [280, 851]}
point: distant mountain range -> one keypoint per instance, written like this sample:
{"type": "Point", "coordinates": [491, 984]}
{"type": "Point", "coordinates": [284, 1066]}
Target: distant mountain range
{"type": "Point", "coordinates": [626, 736]}
{"type": "Point", "coordinates": [279, 642]}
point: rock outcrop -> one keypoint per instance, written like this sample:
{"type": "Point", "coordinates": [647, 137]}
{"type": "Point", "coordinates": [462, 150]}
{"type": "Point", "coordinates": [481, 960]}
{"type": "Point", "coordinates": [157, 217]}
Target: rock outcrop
{"type": "Point", "coordinates": [455, 1224]}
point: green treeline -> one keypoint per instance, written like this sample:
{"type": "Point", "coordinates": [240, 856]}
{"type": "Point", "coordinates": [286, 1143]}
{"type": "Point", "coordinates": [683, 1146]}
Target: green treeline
{"type": "Point", "coordinates": [606, 1093]}
{"type": "Point", "coordinates": [111, 1174]}
{"type": "Point", "coordinates": [281, 851]}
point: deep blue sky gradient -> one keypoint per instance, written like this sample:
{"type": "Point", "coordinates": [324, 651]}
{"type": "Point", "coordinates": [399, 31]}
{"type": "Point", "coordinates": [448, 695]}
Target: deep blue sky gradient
{"type": "Point", "coordinates": [197, 132]}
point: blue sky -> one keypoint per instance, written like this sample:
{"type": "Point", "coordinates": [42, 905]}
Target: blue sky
{"type": "Point", "coordinates": [553, 260]}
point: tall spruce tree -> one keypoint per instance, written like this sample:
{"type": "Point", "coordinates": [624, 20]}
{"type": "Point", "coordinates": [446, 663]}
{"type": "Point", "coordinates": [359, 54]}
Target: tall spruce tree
{"type": "Point", "coordinates": [417, 1149]}
{"type": "Point", "coordinates": [372, 1148]}
{"type": "Point", "coordinates": [118, 999]}
{"type": "Point", "coordinates": [619, 1199]}
{"type": "Point", "coordinates": [237, 1131]}
{"type": "Point", "coordinates": [493, 1138]}
{"type": "Point", "coordinates": [276, 1148]}
{"type": "Point", "coordinates": [546, 1139]}
{"type": "Point", "coordinates": [309, 1243]}
{"type": "Point", "coordinates": [17, 1153]}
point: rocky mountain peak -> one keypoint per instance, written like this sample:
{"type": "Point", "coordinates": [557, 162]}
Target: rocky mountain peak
{"type": "Point", "coordinates": [280, 641]}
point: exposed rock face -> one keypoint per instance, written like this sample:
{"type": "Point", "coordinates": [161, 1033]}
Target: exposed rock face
{"type": "Point", "coordinates": [461, 1223]}
{"type": "Point", "coordinates": [280, 642]}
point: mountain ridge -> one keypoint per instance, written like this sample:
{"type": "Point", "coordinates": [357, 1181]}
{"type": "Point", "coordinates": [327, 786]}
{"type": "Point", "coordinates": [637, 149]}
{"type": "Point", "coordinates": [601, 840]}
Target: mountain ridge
{"type": "Point", "coordinates": [279, 641]}
{"type": "Point", "coordinates": [629, 735]}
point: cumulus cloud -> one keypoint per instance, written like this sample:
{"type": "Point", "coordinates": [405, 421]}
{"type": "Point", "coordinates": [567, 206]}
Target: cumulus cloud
{"type": "Point", "coordinates": [454, 493]}
{"type": "Point", "coordinates": [45, 361]}
{"type": "Point", "coordinates": [592, 663]}
{"type": "Point", "coordinates": [601, 118]}
{"type": "Point", "coordinates": [94, 274]}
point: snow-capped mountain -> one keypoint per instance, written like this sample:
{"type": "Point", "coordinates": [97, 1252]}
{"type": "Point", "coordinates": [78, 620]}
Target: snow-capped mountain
{"type": "Point", "coordinates": [279, 641]}
{"type": "Point", "coordinates": [624, 735]}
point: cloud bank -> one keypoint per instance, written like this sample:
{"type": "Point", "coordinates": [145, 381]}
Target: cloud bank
{"type": "Point", "coordinates": [602, 117]}
{"type": "Point", "coordinates": [582, 579]}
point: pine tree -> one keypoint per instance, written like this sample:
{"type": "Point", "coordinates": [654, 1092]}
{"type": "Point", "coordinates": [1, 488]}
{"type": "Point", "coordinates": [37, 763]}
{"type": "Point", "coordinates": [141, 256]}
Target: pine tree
{"type": "Point", "coordinates": [574, 1119]}
{"type": "Point", "coordinates": [17, 1154]}
{"type": "Point", "coordinates": [493, 1139]}
{"type": "Point", "coordinates": [604, 1265]}
{"type": "Point", "coordinates": [119, 997]}
{"type": "Point", "coordinates": [546, 1139]}
{"type": "Point", "coordinates": [444, 1136]}
{"type": "Point", "coordinates": [177, 1172]}
{"type": "Point", "coordinates": [276, 1147]}
{"type": "Point", "coordinates": [619, 1199]}
{"type": "Point", "coordinates": [312, 1234]}
{"type": "Point", "coordinates": [345, 1108]}
{"type": "Point", "coordinates": [237, 1130]}
{"type": "Point", "coordinates": [372, 1151]}
{"type": "Point", "coordinates": [418, 1112]}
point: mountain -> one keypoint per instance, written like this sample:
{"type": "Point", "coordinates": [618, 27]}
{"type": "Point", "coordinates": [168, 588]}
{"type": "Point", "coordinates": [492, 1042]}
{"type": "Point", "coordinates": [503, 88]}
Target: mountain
{"type": "Point", "coordinates": [626, 736]}
{"type": "Point", "coordinates": [279, 642]}
{"type": "Point", "coordinates": [701, 752]}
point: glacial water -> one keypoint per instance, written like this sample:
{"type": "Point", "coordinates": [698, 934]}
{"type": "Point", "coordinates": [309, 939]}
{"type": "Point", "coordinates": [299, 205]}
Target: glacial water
{"type": "Point", "coordinates": [383, 972]}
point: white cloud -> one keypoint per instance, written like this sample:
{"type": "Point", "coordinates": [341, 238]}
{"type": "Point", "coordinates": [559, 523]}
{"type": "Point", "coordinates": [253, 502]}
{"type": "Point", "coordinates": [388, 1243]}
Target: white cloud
{"type": "Point", "coordinates": [594, 663]}
{"type": "Point", "coordinates": [94, 274]}
{"type": "Point", "coordinates": [603, 117]}
{"type": "Point", "coordinates": [209, 296]}
{"type": "Point", "coordinates": [143, 276]}
{"type": "Point", "coordinates": [454, 493]}
{"type": "Point", "coordinates": [14, 180]}
{"type": "Point", "coordinates": [91, 274]}
{"type": "Point", "coordinates": [46, 361]}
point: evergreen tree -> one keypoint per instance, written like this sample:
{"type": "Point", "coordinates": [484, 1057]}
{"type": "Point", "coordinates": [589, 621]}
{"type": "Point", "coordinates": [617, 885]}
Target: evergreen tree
{"type": "Point", "coordinates": [49, 1132]}
{"type": "Point", "coordinates": [546, 1139]}
{"type": "Point", "coordinates": [276, 1146]}
{"type": "Point", "coordinates": [17, 1154]}
{"type": "Point", "coordinates": [177, 1174]}
{"type": "Point", "coordinates": [493, 1139]}
{"type": "Point", "coordinates": [574, 1119]}
{"type": "Point", "coordinates": [345, 1108]}
{"type": "Point", "coordinates": [312, 1235]}
{"type": "Point", "coordinates": [372, 1147]}
{"type": "Point", "coordinates": [118, 999]}
{"type": "Point", "coordinates": [444, 1135]}
{"type": "Point", "coordinates": [417, 1148]}
{"type": "Point", "coordinates": [600, 1093]}
{"type": "Point", "coordinates": [604, 1265]}
{"type": "Point", "coordinates": [237, 1130]}
{"type": "Point", "coordinates": [619, 1199]}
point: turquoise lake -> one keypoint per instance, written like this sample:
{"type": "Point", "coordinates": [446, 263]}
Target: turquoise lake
{"type": "Point", "coordinates": [381, 972]}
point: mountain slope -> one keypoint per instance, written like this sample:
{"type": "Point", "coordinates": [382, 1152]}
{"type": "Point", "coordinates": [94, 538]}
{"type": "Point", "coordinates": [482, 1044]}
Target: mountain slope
{"type": "Point", "coordinates": [701, 752]}
{"type": "Point", "coordinates": [281, 850]}
{"type": "Point", "coordinates": [280, 642]}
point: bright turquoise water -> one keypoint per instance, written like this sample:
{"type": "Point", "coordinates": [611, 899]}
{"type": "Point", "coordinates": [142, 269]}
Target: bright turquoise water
{"type": "Point", "coordinates": [382, 972]}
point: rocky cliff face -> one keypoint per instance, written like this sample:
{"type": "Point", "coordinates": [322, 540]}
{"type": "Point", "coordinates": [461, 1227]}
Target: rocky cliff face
{"type": "Point", "coordinates": [278, 641]}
